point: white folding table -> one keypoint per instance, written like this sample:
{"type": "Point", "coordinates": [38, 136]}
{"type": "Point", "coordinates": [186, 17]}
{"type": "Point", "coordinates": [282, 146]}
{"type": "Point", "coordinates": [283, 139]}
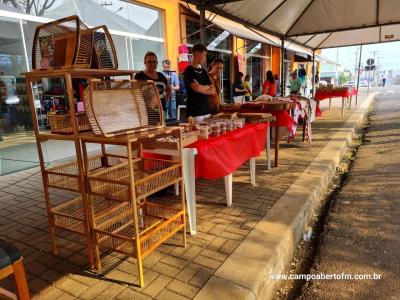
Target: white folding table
{"type": "Point", "coordinates": [189, 176]}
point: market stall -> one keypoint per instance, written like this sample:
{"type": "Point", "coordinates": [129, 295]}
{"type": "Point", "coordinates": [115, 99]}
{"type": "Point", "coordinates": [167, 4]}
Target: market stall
{"type": "Point", "coordinates": [218, 157]}
{"type": "Point", "coordinates": [215, 154]}
{"type": "Point", "coordinates": [286, 110]}
{"type": "Point", "coordinates": [346, 93]}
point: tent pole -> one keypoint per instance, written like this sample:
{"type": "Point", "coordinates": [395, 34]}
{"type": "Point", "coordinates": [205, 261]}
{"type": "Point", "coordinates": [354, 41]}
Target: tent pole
{"type": "Point", "coordinates": [313, 74]}
{"type": "Point", "coordinates": [202, 24]}
{"type": "Point", "coordinates": [282, 67]}
{"type": "Point", "coordinates": [358, 74]}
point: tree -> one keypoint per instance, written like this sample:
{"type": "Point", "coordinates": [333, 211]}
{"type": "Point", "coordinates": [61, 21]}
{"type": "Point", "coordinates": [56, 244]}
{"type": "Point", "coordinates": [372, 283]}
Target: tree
{"type": "Point", "coordinates": [33, 7]}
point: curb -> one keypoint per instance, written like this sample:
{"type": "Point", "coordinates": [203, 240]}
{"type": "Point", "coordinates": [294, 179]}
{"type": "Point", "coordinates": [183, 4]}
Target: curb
{"type": "Point", "coordinates": [270, 246]}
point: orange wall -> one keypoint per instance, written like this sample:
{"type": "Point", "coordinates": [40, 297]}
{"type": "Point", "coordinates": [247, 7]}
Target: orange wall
{"type": "Point", "coordinates": [276, 60]}
{"type": "Point", "coordinates": [170, 10]}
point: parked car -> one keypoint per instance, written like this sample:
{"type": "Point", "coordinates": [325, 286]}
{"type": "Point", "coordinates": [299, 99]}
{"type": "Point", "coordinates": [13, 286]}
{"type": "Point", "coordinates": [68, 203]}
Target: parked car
{"type": "Point", "coordinates": [350, 83]}
{"type": "Point", "coordinates": [363, 83]}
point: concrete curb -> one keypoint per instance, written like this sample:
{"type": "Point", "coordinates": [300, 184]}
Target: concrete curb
{"type": "Point", "coordinates": [270, 246]}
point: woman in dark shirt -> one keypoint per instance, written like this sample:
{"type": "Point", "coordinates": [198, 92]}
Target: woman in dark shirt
{"type": "Point", "coordinates": [238, 89]}
{"type": "Point", "coordinates": [150, 73]}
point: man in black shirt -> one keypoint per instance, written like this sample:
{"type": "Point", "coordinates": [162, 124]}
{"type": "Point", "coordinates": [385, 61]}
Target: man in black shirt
{"type": "Point", "coordinates": [198, 85]}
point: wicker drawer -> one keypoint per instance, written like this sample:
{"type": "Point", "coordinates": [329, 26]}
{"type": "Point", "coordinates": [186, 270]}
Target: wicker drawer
{"type": "Point", "coordinates": [151, 175]}
{"type": "Point", "coordinates": [61, 124]}
{"type": "Point", "coordinates": [115, 229]}
{"type": "Point", "coordinates": [71, 215]}
{"type": "Point", "coordinates": [66, 176]}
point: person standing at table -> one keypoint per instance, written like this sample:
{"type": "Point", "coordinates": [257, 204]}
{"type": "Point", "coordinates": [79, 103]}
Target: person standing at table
{"type": "Point", "coordinates": [238, 89]}
{"type": "Point", "coordinates": [217, 66]}
{"type": "Point", "coordinates": [295, 84]}
{"type": "Point", "coordinates": [198, 85]}
{"type": "Point", "coordinates": [247, 86]}
{"type": "Point", "coordinates": [269, 85]}
{"type": "Point", "coordinates": [150, 73]}
{"type": "Point", "coordinates": [173, 81]}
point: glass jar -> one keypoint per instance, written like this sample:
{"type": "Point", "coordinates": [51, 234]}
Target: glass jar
{"type": "Point", "coordinates": [204, 132]}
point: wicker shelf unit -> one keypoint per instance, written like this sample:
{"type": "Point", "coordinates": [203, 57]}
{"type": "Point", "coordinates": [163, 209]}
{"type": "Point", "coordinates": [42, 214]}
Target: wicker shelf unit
{"type": "Point", "coordinates": [136, 227]}
{"type": "Point", "coordinates": [72, 215]}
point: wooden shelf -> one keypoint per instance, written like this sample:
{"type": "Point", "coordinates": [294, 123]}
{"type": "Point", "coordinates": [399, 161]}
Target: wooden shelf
{"type": "Point", "coordinates": [78, 73]}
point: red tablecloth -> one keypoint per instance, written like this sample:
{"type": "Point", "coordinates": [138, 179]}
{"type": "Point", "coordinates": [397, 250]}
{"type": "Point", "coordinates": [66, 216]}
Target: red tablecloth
{"type": "Point", "coordinates": [223, 155]}
{"type": "Point", "coordinates": [283, 119]}
{"type": "Point", "coordinates": [333, 94]}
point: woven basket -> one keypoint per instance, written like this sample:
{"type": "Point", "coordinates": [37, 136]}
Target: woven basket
{"type": "Point", "coordinates": [66, 175]}
{"type": "Point", "coordinates": [151, 175]}
{"type": "Point", "coordinates": [61, 124]}
{"type": "Point", "coordinates": [122, 107]}
{"type": "Point", "coordinates": [157, 223]}
{"type": "Point", "coordinates": [67, 42]}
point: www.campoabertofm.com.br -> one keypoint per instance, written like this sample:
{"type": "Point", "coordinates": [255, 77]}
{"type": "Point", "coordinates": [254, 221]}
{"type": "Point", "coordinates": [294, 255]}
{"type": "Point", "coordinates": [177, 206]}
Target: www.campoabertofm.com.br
{"type": "Point", "coordinates": [323, 276]}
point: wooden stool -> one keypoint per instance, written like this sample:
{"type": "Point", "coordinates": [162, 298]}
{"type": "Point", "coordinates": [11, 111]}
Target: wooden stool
{"type": "Point", "coordinates": [11, 263]}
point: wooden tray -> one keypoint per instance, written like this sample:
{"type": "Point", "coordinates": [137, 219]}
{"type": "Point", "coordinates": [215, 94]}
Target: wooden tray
{"type": "Point", "coordinates": [230, 107]}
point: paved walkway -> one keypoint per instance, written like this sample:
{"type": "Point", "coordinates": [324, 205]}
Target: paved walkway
{"type": "Point", "coordinates": [362, 234]}
{"type": "Point", "coordinates": [171, 272]}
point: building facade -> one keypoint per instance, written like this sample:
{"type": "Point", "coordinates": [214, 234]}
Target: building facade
{"type": "Point", "coordinates": [136, 27]}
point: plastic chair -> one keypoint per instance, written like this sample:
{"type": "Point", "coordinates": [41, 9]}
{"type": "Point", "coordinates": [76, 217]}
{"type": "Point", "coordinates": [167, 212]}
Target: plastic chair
{"type": "Point", "coordinates": [11, 262]}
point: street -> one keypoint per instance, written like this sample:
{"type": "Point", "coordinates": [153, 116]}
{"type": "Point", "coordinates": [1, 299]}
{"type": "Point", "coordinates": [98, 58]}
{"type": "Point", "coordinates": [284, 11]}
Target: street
{"type": "Point", "coordinates": [361, 235]}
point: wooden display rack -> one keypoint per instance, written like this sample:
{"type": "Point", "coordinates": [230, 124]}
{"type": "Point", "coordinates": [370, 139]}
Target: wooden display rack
{"type": "Point", "coordinates": [136, 227]}
{"type": "Point", "coordinates": [72, 215]}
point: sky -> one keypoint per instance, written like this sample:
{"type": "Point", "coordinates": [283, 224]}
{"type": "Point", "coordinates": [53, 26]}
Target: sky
{"type": "Point", "coordinates": [388, 55]}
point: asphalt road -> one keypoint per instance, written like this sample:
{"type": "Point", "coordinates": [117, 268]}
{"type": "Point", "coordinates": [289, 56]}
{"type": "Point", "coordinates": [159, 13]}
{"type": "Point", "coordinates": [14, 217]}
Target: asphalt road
{"type": "Point", "coordinates": [362, 233]}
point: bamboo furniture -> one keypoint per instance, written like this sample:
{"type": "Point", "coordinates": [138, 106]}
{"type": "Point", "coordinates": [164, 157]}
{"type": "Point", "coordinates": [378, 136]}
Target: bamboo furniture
{"type": "Point", "coordinates": [68, 42]}
{"type": "Point", "coordinates": [104, 55]}
{"type": "Point", "coordinates": [71, 215]}
{"type": "Point", "coordinates": [137, 226]}
{"type": "Point", "coordinates": [122, 107]}
{"type": "Point", "coordinates": [61, 43]}
{"type": "Point", "coordinates": [11, 263]}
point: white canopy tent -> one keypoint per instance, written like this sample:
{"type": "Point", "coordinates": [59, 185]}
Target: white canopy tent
{"type": "Point", "coordinates": [315, 24]}
{"type": "Point", "coordinates": [242, 31]}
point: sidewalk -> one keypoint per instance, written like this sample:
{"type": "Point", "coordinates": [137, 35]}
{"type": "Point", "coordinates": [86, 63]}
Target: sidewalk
{"type": "Point", "coordinates": [362, 233]}
{"type": "Point", "coordinates": [171, 272]}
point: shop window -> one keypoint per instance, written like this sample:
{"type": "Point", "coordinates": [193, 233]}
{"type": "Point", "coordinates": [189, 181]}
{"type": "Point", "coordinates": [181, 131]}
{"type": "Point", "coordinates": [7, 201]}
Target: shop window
{"type": "Point", "coordinates": [124, 16]}
{"type": "Point", "coordinates": [15, 117]}
{"type": "Point", "coordinates": [139, 49]}
{"type": "Point", "coordinates": [121, 44]}
{"type": "Point", "coordinates": [215, 38]}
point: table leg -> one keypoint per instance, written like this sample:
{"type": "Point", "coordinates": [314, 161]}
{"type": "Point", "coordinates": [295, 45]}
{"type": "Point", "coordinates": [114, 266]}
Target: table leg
{"type": "Point", "coordinates": [252, 163]}
{"type": "Point", "coordinates": [330, 100]}
{"type": "Point", "coordinates": [350, 99]}
{"type": "Point", "coordinates": [304, 128]}
{"type": "Point", "coordinates": [276, 145]}
{"type": "Point", "coordinates": [188, 155]}
{"type": "Point", "coordinates": [268, 147]}
{"type": "Point", "coordinates": [343, 106]}
{"type": "Point", "coordinates": [228, 189]}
